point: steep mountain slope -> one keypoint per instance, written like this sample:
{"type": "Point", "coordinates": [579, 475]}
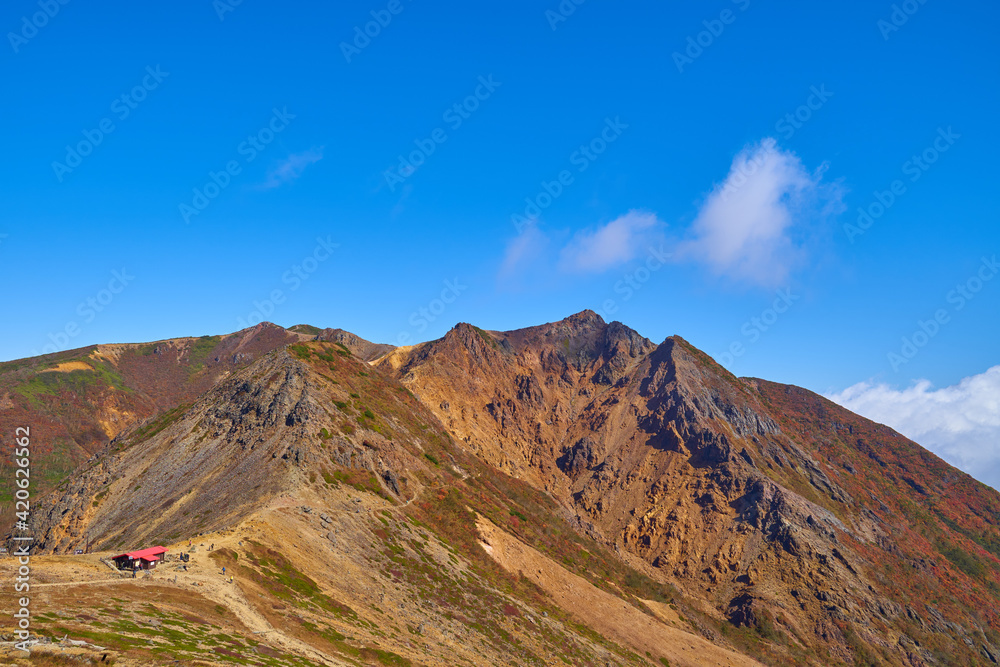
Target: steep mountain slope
{"type": "Point", "coordinates": [930, 521]}
{"type": "Point", "coordinates": [350, 519]}
{"type": "Point", "coordinates": [77, 401]}
{"type": "Point", "coordinates": [726, 490]}
{"type": "Point", "coordinates": [570, 492]}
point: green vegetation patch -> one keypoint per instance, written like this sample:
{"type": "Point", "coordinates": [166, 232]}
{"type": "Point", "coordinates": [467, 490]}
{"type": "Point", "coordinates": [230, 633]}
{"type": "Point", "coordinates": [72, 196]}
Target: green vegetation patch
{"type": "Point", "coordinates": [963, 560]}
{"type": "Point", "coordinates": [160, 423]}
{"type": "Point", "coordinates": [277, 574]}
{"type": "Point", "coordinates": [300, 350]}
{"type": "Point", "coordinates": [78, 382]}
{"type": "Point", "coordinates": [490, 340]}
{"type": "Point", "coordinates": [306, 329]}
{"type": "Point", "coordinates": [362, 480]}
{"type": "Point", "coordinates": [58, 464]}
{"type": "Point", "coordinates": [200, 350]}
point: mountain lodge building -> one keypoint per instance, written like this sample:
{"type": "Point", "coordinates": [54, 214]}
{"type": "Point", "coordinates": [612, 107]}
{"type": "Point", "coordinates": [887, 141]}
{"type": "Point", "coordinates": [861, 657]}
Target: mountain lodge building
{"type": "Point", "coordinates": [144, 559]}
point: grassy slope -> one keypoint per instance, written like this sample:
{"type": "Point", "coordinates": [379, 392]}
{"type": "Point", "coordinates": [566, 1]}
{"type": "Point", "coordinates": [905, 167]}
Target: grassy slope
{"type": "Point", "coordinates": [482, 602]}
{"type": "Point", "coordinates": [451, 499]}
{"type": "Point", "coordinates": [945, 524]}
{"type": "Point", "coordinates": [948, 538]}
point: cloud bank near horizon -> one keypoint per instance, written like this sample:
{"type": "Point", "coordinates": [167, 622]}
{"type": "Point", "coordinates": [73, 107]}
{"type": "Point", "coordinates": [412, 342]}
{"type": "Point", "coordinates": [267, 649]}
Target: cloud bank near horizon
{"type": "Point", "coordinates": [960, 423]}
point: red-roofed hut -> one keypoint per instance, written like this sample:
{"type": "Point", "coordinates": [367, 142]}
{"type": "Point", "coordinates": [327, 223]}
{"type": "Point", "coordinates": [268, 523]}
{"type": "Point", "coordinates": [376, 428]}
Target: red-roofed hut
{"type": "Point", "coordinates": [144, 559]}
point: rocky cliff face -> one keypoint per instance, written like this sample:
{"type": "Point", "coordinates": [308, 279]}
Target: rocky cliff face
{"type": "Point", "coordinates": [661, 453]}
{"type": "Point", "coordinates": [76, 402]}
{"type": "Point", "coordinates": [814, 535]}
{"type": "Point", "coordinates": [279, 467]}
{"type": "Point", "coordinates": [267, 430]}
{"type": "Point", "coordinates": [356, 345]}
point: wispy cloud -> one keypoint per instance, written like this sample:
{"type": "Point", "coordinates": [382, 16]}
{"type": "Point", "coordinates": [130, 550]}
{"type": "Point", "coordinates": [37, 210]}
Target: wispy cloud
{"type": "Point", "coordinates": [613, 244]}
{"type": "Point", "coordinates": [752, 225]}
{"type": "Point", "coordinates": [960, 423]}
{"type": "Point", "coordinates": [541, 256]}
{"type": "Point", "coordinates": [523, 252]}
{"type": "Point", "coordinates": [291, 168]}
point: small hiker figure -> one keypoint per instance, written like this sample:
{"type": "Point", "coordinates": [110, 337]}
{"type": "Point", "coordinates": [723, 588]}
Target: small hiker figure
{"type": "Point", "coordinates": [211, 546]}
{"type": "Point", "coordinates": [230, 580]}
{"type": "Point", "coordinates": [134, 570]}
{"type": "Point", "coordinates": [223, 570]}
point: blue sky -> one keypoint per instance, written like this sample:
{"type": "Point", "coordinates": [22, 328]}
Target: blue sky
{"type": "Point", "coordinates": [667, 124]}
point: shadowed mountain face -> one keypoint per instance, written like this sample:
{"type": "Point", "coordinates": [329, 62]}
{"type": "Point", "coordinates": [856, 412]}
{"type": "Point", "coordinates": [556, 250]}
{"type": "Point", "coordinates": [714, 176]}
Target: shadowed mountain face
{"type": "Point", "coordinates": [791, 529]}
{"type": "Point", "coordinates": [234, 450]}
{"type": "Point", "coordinates": [355, 525]}
{"type": "Point", "coordinates": [767, 501]}
{"type": "Point", "coordinates": [76, 402]}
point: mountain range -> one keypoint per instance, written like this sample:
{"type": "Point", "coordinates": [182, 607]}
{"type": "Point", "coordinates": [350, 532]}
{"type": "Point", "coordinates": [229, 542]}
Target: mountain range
{"type": "Point", "coordinates": [566, 493]}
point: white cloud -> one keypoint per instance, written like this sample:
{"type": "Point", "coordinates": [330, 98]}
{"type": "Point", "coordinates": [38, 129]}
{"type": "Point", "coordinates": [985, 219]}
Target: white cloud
{"type": "Point", "coordinates": [961, 423]}
{"type": "Point", "coordinates": [750, 226]}
{"type": "Point", "coordinates": [291, 168]}
{"type": "Point", "coordinates": [618, 242]}
{"type": "Point", "coordinates": [522, 251]}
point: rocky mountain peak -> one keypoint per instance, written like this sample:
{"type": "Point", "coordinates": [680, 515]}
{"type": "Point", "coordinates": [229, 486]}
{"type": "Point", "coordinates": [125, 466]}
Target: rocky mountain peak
{"type": "Point", "coordinates": [356, 345]}
{"type": "Point", "coordinates": [772, 507]}
{"type": "Point", "coordinates": [619, 348]}
{"type": "Point", "coordinates": [585, 318]}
